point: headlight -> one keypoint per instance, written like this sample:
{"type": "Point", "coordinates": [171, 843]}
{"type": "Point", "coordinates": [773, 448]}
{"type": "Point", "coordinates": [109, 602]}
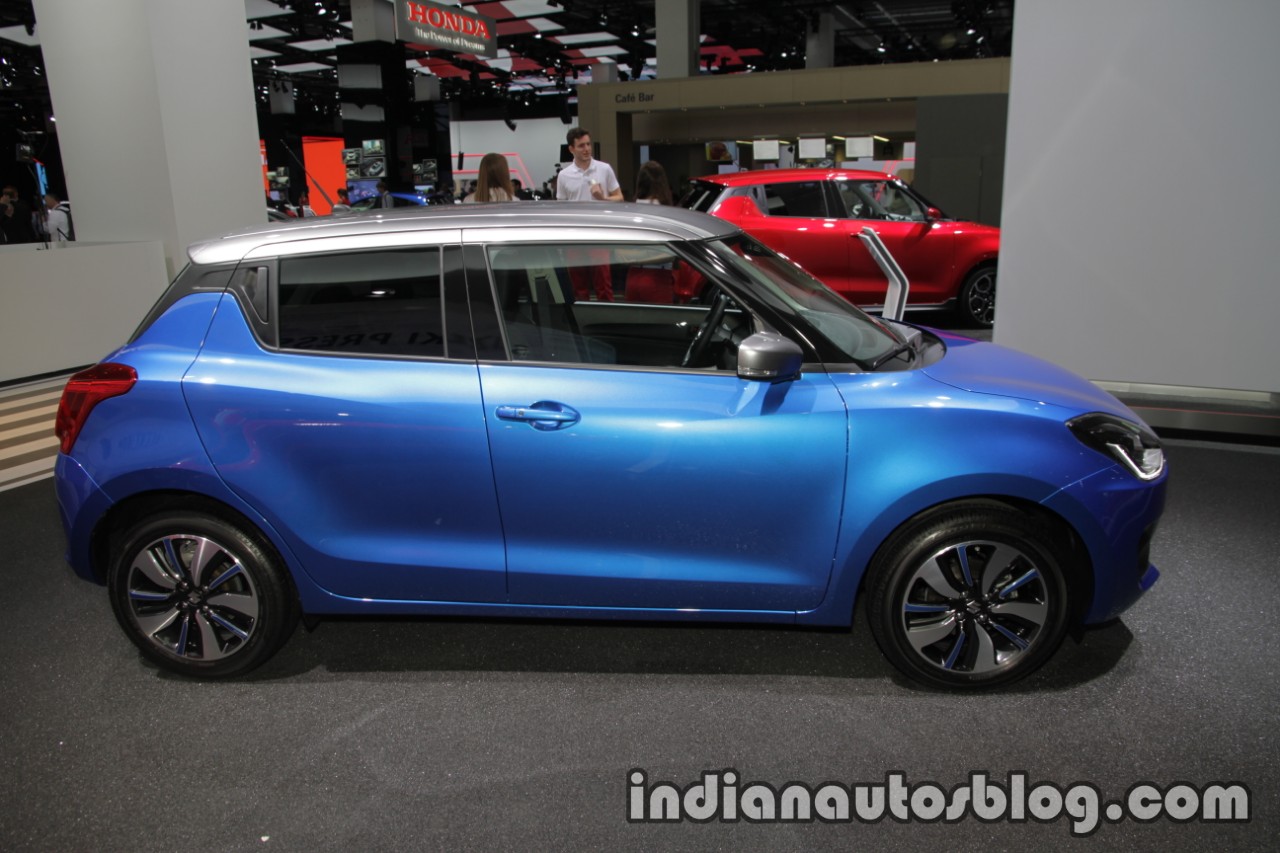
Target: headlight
{"type": "Point", "coordinates": [1135, 446]}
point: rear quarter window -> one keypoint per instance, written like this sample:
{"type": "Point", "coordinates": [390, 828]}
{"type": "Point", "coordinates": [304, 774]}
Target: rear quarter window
{"type": "Point", "coordinates": [701, 196]}
{"type": "Point", "coordinates": [374, 303]}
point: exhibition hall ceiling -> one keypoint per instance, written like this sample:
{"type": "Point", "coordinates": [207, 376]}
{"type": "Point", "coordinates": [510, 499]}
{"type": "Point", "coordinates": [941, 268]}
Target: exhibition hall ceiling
{"type": "Point", "coordinates": [548, 47]}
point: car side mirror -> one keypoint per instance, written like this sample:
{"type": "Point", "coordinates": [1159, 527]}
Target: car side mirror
{"type": "Point", "coordinates": [932, 214]}
{"type": "Point", "coordinates": [735, 208]}
{"type": "Point", "coordinates": [769, 357]}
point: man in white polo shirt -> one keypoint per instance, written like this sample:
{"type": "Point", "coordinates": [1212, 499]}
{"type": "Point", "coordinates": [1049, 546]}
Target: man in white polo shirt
{"type": "Point", "coordinates": [588, 179]}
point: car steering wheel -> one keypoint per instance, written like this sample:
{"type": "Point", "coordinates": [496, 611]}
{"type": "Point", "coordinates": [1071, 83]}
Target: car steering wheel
{"type": "Point", "coordinates": [701, 340]}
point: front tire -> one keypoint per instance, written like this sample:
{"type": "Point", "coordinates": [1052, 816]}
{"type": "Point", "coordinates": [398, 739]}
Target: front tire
{"type": "Point", "coordinates": [978, 297]}
{"type": "Point", "coordinates": [969, 597]}
{"type": "Point", "coordinates": [199, 595]}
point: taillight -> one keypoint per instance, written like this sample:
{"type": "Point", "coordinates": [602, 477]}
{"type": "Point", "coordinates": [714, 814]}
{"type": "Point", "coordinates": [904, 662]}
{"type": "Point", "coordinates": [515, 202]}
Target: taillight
{"type": "Point", "coordinates": [85, 390]}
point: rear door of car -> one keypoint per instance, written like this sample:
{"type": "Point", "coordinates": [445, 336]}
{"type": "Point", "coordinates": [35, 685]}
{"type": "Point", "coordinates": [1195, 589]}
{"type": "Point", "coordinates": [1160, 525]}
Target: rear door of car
{"type": "Point", "coordinates": [627, 480]}
{"type": "Point", "coordinates": [800, 224]}
{"type": "Point", "coordinates": [337, 393]}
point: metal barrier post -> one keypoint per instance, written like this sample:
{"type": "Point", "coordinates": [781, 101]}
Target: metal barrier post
{"type": "Point", "coordinates": [895, 299]}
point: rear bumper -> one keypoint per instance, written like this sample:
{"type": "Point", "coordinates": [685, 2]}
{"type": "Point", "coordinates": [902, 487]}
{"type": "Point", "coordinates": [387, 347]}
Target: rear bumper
{"type": "Point", "coordinates": [80, 503]}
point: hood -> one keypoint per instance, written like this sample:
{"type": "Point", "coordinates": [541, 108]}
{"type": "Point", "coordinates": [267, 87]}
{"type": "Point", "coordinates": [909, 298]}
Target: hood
{"type": "Point", "coordinates": [985, 368]}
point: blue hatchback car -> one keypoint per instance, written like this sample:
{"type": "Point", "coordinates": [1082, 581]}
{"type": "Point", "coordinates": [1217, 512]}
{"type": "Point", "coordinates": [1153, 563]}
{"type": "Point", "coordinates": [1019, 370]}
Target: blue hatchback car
{"type": "Point", "coordinates": [586, 410]}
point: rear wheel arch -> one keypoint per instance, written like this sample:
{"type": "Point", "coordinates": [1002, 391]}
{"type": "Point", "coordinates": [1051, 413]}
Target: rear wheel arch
{"type": "Point", "coordinates": [976, 294]}
{"type": "Point", "coordinates": [132, 510]}
{"type": "Point", "coordinates": [198, 588]}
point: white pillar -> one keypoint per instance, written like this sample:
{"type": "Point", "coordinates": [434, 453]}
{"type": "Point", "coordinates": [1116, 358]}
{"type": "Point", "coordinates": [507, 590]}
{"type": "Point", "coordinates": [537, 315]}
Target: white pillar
{"type": "Point", "coordinates": [156, 122]}
{"type": "Point", "coordinates": [679, 33]}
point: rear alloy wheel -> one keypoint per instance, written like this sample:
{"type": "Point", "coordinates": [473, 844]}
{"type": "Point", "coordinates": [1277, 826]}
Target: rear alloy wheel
{"type": "Point", "coordinates": [200, 596]}
{"type": "Point", "coordinates": [978, 297]}
{"type": "Point", "coordinates": [969, 597]}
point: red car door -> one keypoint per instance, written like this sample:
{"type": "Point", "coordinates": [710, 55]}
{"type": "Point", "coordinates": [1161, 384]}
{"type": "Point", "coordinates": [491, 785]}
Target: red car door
{"type": "Point", "coordinates": [794, 219]}
{"type": "Point", "coordinates": [924, 248]}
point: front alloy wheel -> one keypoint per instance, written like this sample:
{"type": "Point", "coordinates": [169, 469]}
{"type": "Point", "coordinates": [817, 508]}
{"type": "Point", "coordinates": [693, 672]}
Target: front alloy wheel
{"type": "Point", "coordinates": [199, 596]}
{"type": "Point", "coordinates": [969, 598]}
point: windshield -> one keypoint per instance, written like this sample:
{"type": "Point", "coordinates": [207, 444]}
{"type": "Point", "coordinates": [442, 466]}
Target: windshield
{"type": "Point", "coordinates": [848, 333]}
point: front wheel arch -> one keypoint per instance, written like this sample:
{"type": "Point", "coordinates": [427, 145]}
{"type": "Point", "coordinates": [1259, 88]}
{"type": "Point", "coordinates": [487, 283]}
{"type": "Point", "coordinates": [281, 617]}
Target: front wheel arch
{"type": "Point", "coordinates": [1056, 540]}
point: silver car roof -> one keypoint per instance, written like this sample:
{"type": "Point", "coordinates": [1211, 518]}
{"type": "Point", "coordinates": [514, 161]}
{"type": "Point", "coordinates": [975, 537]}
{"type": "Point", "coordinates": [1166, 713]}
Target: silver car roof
{"type": "Point", "coordinates": [546, 221]}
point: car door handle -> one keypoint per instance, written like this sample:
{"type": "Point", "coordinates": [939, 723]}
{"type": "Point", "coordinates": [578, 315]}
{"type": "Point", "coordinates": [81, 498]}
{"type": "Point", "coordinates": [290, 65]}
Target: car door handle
{"type": "Point", "coordinates": [544, 415]}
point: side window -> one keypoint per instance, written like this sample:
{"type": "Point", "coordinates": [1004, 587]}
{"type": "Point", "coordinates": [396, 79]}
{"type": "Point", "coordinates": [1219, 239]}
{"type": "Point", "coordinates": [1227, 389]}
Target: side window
{"type": "Point", "coordinates": [378, 303]}
{"type": "Point", "coordinates": [899, 204]}
{"type": "Point", "coordinates": [855, 201]}
{"type": "Point", "coordinates": [880, 200]}
{"type": "Point", "coordinates": [637, 305]}
{"type": "Point", "coordinates": [801, 198]}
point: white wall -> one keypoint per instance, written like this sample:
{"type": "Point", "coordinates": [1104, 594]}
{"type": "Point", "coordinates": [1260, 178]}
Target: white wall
{"type": "Point", "coordinates": [1141, 226]}
{"type": "Point", "coordinates": [537, 142]}
{"type": "Point", "coordinates": [156, 119]}
{"type": "Point", "coordinates": [65, 307]}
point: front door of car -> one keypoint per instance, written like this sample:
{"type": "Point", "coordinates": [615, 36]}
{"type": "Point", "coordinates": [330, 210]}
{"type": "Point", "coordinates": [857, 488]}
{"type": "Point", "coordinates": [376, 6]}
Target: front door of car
{"type": "Point", "coordinates": [923, 248]}
{"type": "Point", "coordinates": [627, 480]}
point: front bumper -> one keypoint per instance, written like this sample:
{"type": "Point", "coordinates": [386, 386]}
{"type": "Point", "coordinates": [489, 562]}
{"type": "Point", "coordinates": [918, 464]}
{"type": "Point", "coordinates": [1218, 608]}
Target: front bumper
{"type": "Point", "coordinates": [1116, 516]}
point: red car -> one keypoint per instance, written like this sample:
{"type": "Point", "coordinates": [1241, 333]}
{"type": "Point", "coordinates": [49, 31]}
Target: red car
{"type": "Point", "coordinates": [815, 215]}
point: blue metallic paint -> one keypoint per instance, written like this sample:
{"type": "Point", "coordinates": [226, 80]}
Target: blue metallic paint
{"type": "Point", "coordinates": [674, 490]}
{"type": "Point", "coordinates": [598, 533]}
{"type": "Point", "coordinates": [411, 515]}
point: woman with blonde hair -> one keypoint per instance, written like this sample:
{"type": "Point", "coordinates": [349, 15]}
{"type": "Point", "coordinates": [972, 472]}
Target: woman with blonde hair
{"type": "Point", "coordinates": [651, 184]}
{"type": "Point", "coordinates": [494, 183]}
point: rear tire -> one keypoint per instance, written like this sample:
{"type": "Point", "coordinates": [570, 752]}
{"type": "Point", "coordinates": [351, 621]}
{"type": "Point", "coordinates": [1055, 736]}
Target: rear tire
{"type": "Point", "coordinates": [978, 297]}
{"type": "Point", "coordinates": [971, 596]}
{"type": "Point", "coordinates": [199, 595]}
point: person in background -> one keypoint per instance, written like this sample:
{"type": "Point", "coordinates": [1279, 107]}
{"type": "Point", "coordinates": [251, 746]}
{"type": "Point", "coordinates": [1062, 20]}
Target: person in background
{"type": "Point", "coordinates": [522, 194]}
{"type": "Point", "coordinates": [344, 202]}
{"type": "Point", "coordinates": [15, 217]}
{"type": "Point", "coordinates": [494, 183]}
{"type": "Point", "coordinates": [384, 195]}
{"type": "Point", "coordinates": [651, 184]}
{"type": "Point", "coordinates": [58, 219]}
{"type": "Point", "coordinates": [586, 179]}
{"type": "Point", "coordinates": [304, 204]}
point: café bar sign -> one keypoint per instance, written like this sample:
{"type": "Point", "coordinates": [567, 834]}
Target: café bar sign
{"type": "Point", "coordinates": [447, 27]}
